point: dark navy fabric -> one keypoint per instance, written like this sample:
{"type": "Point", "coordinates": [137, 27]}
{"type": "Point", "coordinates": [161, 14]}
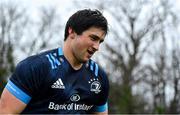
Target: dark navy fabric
{"type": "Point", "coordinates": [48, 84]}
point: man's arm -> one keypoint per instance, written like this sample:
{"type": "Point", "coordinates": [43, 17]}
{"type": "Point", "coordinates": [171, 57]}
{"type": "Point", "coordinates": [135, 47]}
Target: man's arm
{"type": "Point", "coordinates": [10, 104]}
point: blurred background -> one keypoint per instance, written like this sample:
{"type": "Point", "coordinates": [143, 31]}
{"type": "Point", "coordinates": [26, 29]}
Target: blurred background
{"type": "Point", "coordinates": [141, 53]}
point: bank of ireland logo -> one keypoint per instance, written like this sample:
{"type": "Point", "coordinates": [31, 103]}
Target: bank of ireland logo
{"type": "Point", "coordinates": [95, 85]}
{"type": "Point", "coordinates": [75, 98]}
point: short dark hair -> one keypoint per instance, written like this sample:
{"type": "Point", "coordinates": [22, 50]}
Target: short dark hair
{"type": "Point", "coordinates": [84, 19]}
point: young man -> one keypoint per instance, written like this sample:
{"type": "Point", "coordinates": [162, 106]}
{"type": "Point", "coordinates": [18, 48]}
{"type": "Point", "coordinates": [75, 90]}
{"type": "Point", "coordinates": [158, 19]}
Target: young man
{"type": "Point", "coordinates": [63, 80]}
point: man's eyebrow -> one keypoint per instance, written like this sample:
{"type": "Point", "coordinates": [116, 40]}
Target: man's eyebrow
{"type": "Point", "coordinates": [94, 36]}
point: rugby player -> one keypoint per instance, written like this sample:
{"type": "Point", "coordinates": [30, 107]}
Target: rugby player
{"type": "Point", "coordinates": [62, 80]}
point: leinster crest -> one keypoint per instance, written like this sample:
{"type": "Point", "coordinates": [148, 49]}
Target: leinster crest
{"type": "Point", "coordinates": [95, 86]}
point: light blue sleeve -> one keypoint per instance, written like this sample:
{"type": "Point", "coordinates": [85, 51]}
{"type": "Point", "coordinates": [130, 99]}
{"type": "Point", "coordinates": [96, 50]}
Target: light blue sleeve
{"type": "Point", "coordinates": [17, 92]}
{"type": "Point", "coordinates": [101, 108]}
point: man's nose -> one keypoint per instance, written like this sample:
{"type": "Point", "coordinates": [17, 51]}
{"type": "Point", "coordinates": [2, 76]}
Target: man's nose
{"type": "Point", "coordinates": [96, 46]}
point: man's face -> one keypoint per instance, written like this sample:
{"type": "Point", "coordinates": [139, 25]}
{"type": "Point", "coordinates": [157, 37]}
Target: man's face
{"type": "Point", "coordinates": [86, 44]}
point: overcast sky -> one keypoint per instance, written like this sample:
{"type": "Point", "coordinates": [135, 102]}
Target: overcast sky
{"type": "Point", "coordinates": [64, 7]}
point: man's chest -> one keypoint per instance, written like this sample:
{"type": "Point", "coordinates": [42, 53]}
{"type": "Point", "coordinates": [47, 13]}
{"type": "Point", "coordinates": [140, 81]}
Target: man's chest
{"type": "Point", "coordinates": [72, 90]}
{"type": "Point", "coordinates": [66, 84]}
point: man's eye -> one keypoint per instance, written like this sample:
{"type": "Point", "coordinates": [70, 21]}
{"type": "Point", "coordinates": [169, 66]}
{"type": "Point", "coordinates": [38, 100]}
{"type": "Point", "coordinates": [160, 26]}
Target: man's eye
{"type": "Point", "coordinates": [93, 39]}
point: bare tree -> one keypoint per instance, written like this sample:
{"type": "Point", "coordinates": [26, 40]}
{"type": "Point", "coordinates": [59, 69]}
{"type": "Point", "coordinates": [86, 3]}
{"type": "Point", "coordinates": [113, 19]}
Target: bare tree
{"type": "Point", "coordinates": [175, 80]}
{"type": "Point", "coordinates": [43, 32]}
{"type": "Point", "coordinates": [136, 27]}
{"type": "Point", "coordinates": [19, 31]}
{"type": "Point", "coordinates": [133, 39]}
{"type": "Point", "coordinates": [11, 22]}
{"type": "Point", "coordinates": [159, 73]}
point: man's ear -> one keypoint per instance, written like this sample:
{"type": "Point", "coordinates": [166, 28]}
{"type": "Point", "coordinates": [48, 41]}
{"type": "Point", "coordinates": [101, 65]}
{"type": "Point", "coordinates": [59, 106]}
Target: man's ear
{"type": "Point", "coordinates": [70, 30]}
{"type": "Point", "coordinates": [71, 33]}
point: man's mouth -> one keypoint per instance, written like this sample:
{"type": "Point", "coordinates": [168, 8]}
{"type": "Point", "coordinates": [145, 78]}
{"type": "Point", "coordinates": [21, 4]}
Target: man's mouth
{"type": "Point", "coordinates": [90, 52]}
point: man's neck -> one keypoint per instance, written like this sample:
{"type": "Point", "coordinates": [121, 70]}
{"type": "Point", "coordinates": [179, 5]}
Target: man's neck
{"type": "Point", "coordinates": [70, 57]}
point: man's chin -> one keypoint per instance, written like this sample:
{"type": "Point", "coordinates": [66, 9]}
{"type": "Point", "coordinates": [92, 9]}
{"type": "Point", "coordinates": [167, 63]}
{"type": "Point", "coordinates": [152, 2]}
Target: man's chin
{"type": "Point", "coordinates": [85, 60]}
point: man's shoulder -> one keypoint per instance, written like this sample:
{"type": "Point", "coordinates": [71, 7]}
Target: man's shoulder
{"type": "Point", "coordinates": [56, 52]}
{"type": "Point", "coordinates": [95, 68]}
{"type": "Point", "coordinates": [53, 57]}
{"type": "Point", "coordinates": [37, 60]}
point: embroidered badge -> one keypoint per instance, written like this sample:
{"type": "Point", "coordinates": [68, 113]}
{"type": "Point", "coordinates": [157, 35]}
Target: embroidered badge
{"type": "Point", "coordinates": [95, 85]}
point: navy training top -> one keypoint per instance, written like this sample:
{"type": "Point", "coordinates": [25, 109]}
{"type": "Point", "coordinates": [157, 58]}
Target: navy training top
{"type": "Point", "coordinates": [47, 83]}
